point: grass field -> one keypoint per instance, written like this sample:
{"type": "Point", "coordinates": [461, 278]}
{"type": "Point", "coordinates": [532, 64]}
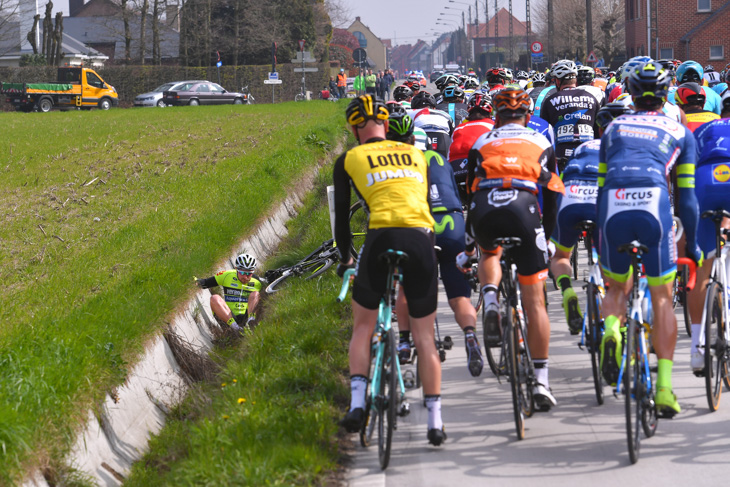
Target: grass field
{"type": "Point", "coordinates": [106, 216]}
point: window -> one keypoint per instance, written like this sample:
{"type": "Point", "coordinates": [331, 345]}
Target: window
{"type": "Point", "coordinates": [717, 52]}
{"type": "Point", "coordinates": [666, 53]}
{"type": "Point", "coordinates": [204, 88]}
{"type": "Point", "coordinates": [216, 88]}
{"type": "Point", "coordinates": [704, 5]}
{"type": "Point", "coordinates": [361, 39]}
{"type": "Point", "coordinates": [94, 80]}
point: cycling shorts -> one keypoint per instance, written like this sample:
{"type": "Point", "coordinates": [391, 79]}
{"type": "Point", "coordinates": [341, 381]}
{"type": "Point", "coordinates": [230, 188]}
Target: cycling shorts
{"type": "Point", "coordinates": [450, 232]}
{"type": "Point", "coordinates": [439, 142]}
{"type": "Point", "coordinates": [502, 212]}
{"type": "Point", "coordinates": [712, 186]}
{"type": "Point", "coordinates": [420, 279]}
{"type": "Point", "coordinates": [619, 223]}
{"type": "Point", "coordinates": [578, 204]}
{"type": "Point", "coordinates": [460, 174]}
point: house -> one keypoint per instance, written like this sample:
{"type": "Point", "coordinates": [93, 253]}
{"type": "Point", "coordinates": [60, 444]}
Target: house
{"type": "Point", "coordinates": [399, 58]}
{"type": "Point", "coordinates": [700, 33]}
{"type": "Point", "coordinates": [419, 58]}
{"type": "Point", "coordinates": [439, 49]}
{"type": "Point", "coordinates": [493, 37]}
{"type": "Point", "coordinates": [377, 57]}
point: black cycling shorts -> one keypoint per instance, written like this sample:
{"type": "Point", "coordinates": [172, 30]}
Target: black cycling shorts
{"type": "Point", "coordinates": [502, 212]}
{"type": "Point", "coordinates": [439, 142]}
{"type": "Point", "coordinates": [420, 279]}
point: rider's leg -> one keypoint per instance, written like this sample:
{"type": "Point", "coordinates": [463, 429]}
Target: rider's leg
{"type": "Point", "coordinates": [429, 368]}
{"type": "Point", "coordinates": [664, 339]}
{"type": "Point", "coordinates": [404, 326]}
{"type": "Point", "coordinates": [490, 274]}
{"type": "Point", "coordinates": [561, 268]}
{"type": "Point", "coordinates": [221, 310]}
{"type": "Point", "coordinates": [613, 308]}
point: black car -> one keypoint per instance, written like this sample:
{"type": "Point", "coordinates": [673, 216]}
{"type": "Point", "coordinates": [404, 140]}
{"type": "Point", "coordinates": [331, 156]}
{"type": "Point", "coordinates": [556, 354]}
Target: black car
{"type": "Point", "coordinates": [202, 93]}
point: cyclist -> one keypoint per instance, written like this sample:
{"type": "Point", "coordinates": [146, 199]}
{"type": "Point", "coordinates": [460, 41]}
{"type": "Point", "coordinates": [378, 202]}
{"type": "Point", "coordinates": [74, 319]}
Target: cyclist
{"type": "Point", "coordinates": [712, 186]}
{"type": "Point", "coordinates": [496, 79]}
{"type": "Point", "coordinates": [710, 76]}
{"type": "Point", "coordinates": [446, 211]}
{"type": "Point", "coordinates": [477, 123]}
{"type": "Point", "coordinates": [638, 151]}
{"type": "Point", "coordinates": [453, 104]}
{"type": "Point", "coordinates": [539, 93]}
{"type": "Point", "coordinates": [585, 78]}
{"type": "Point", "coordinates": [436, 123]}
{"type": "Point", "coordinates": [579, 203]}
{"type": "Point", "coordinates": [692, 72]}
{"type": "Point", "coordinates": [522, 79]}
{"type": "Point", "coordinates": [392, 180]}
{"type": "Point", "coordinates": [403, 94]}
{"type": "Point", "coordinates": [570, 109]}
{"type": "Point", "coordinates": [395, 108]}
{"type": "Point", "coordinates": [241, 291]}
{"type": "Point", "coordinates": [506, 166]}
{"type": "Point", "coordinates": [691, 98]}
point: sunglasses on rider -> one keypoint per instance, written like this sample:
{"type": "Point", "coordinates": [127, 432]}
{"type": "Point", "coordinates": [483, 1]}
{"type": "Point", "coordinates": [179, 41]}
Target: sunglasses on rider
{"type": "Point", "coordinates": [245, 273]}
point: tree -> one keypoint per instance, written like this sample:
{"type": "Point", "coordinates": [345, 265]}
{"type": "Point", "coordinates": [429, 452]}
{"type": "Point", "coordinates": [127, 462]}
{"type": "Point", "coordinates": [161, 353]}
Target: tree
{"type": "Point", "coordinates": [143, 30]}
{"type": "Point", "coordinates": [339, 13]}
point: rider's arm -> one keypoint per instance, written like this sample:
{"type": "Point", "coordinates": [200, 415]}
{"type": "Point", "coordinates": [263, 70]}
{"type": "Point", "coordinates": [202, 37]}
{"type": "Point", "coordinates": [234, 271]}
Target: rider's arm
{"type": "Point", "coordinates": [342, 208]}
{"type": "Point", "coordinates": [688, 206]}
{"type": "Point", "coordinates": [206, 283]}
{"type": "Point", "coordinates": [549, 198]}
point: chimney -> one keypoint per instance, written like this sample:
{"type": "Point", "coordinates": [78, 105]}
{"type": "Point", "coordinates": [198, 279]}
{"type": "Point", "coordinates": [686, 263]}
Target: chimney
{"type": "Point", "coordinates": [172, 14]}
{"type": "Point", "coordinates": [358, 19]}
{"type": "Point", "coordinates": [27, 9]}
{"type": "Point", "coordinates": [74, 6]}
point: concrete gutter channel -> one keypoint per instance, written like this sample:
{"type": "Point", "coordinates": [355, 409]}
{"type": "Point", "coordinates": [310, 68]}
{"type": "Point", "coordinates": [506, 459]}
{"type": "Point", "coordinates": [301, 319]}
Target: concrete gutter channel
{"type": "Point", "coordinates": [106, 447]}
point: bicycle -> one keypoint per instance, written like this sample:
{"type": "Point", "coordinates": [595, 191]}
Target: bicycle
{"type": "Point", "coordinates": [248, 98]}
{"type": "Point", "coordinates": [714, 330]}
{"type": "Point", "coordinates": [636, 377]}
{"type": "Point", "coordinates": [311, 266]}
{"type": "Point", "coordinates": [386, 391]}
{"type": "Point", "coordinates": [593, 320]}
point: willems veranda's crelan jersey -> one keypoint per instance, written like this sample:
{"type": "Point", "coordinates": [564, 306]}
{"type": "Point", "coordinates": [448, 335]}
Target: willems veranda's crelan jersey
{"type": "Point", "coordinates": [572, 114]}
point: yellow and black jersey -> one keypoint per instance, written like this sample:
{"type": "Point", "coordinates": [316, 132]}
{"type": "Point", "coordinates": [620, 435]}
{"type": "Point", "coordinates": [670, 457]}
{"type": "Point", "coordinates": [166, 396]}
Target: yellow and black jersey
{"type": "Point", "coordinates": [392, 180]}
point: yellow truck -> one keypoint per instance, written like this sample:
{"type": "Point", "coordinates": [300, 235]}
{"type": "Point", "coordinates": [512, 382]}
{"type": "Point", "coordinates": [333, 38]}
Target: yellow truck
{"type": "Point", "coordinates": [77, 87]}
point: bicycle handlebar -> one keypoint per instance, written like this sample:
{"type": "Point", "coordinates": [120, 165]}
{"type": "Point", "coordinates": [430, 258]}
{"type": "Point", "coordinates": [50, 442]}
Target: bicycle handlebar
{"type": "Point", "coordinates": [345, 284]}
{"type": "Point", "coordinates": [690, 284]}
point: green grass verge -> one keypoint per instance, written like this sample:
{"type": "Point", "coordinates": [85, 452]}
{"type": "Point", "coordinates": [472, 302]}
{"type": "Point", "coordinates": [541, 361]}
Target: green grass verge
{"type": "Point", "coordinates": [106, 216]}
{"type": "Point", "coordinates": [272, 417]}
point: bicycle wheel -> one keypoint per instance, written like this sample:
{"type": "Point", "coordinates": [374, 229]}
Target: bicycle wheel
{"type": "Point", "coordinates": [387, 398]}
{"type": "Point", "coordinates": [593, 338]}
{"type": "Point", "coordinates": [358, 219]}
{"type": "Point", "coordinates": [308, 270]}
{"type": "Point", "coordinates": [496, 354]}
{"type": "Point", "coordinates": [476, 296]}
{"type": "Point", "coordinates": [510, 334]}
{"type": "Point", "coordinates": [574, 261]}
{"type": "Point", "coordinates": [715, 346]}
{"type": "Point", "coordinates": [683, 278]}
{"type": "Point", "coordinates": [366, 432]}
{"type": "Point", "coordinates": [300, 97]}
{"type": "Point", "coordinates": [632, 391]}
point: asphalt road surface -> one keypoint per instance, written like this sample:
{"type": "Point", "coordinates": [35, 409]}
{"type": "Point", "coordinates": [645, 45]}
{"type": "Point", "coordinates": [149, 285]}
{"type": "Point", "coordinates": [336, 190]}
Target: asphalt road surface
{"type": "Point", "coordinates": [577, 443]}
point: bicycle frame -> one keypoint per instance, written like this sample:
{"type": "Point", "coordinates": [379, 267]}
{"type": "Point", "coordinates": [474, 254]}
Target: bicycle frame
{"type": "Point", "coordinates": [718, 275]}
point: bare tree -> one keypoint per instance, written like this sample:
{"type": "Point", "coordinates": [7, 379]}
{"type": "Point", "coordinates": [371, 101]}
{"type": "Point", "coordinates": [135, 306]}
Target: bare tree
{"type": "Point", "coordinates": [143, 30]}
{"type": "Point", "coordinates": [8, 11]}
{"type": "Point", "coordinates": [340, 13]}
{"type": "Point", "coordinates": [156, 11]}
{"type": "Point", "coordinates": [55, 58]}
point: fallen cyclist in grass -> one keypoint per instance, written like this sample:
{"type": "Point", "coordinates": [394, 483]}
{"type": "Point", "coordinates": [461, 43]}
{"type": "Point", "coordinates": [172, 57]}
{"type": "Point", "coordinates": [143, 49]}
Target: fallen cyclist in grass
{"type": "Point", "coordinates": [241, 290]}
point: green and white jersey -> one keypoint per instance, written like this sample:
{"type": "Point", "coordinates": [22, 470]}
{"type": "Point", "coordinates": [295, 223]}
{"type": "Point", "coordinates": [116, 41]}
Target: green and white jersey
{"type": "Point", "coordinates": [421, 138]}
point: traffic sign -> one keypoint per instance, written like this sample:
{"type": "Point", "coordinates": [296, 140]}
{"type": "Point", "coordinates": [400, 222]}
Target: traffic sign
{"type": "Point", "coordinates": [536, 58]}
{"type": "Point", "coordinates": [301, 45]}
{"type": "Point", "coordinates": [272, 81]}
{"type": "Point", "coordinates": [219, 63]}
{"type": "Point", "coordinates": [305, 70]}
{"type": "Point", "coordinates": [359, 55]}
{"type": "Point", "coordinates": [536, 47]}
{"type": "Point", "coordinates": [592, 57]}
{"type": "Point", "coordinates": [273, 75]}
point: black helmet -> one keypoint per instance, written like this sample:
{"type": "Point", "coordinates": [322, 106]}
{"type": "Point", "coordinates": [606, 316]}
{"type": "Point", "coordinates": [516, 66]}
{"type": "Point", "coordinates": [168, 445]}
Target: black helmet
{"type": "Point", "coordinates": [649, 80]}
{"type": "Point", "coordinates": [402, 92]}
{"type": "Point", "coordinates": [610, 111]}
{"type": "Point", "coordinates": [364, 108]}
{"type": "Point", "coordinates": [423, 99]}
{"type": "Point", "coordinates": [453, 93]}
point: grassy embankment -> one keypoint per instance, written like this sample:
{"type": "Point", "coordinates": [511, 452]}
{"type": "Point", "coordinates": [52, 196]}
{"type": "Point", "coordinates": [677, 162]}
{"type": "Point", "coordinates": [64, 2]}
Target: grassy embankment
{"type": "Point", "coordinates": [105, 218]}
{"type": "Point", "coordinates": [271, 418]}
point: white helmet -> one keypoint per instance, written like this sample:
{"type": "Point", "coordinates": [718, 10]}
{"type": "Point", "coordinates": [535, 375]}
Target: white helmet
{"type": "Point", "coordinates": [245, 262]}
{"type": "Point", "coordinates": [564, 69]}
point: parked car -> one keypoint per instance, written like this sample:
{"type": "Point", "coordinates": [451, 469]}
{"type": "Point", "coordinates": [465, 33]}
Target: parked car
{"type": "Point", "coordinates": [154, 97]}
{"type": "Point", "coordinates": [202, 93]}
{"type": "Point", "coordinates": [435, 75]}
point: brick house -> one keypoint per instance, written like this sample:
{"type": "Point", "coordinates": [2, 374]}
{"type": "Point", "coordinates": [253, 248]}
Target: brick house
{"type": "Point", "coordinates": [683, 29]}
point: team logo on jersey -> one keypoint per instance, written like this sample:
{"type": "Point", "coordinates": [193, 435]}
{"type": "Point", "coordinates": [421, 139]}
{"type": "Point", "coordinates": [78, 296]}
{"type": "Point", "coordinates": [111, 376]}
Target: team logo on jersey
{"type": "Point", "coordinates": [721, 173]}
{"type": "Point", "coordinates": [501, 197]}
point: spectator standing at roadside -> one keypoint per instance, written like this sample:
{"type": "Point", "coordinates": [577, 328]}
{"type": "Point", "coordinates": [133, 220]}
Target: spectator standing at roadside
{"type": "Point", "coordinates": [370, 82]}
{"type": "Point", "coordinates": [379, 85]}
{"type": "Point", "coordinates": [385, 86]}
{"type": "Point", "coordinates": [389, 79]}
{"type": "Point", "coordinates": [341, 83]}
{"type": "Point", "coordinates": [359, 84]}
{"type": "Point", "coordinates": [334, 91]}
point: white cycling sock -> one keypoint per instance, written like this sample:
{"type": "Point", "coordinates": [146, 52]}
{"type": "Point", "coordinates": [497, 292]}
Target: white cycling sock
{"type": "Point", "coordinates": [489, 291]}
{"type": "Point", "coordinates": [433, 403]}
{"type": "Point", "coordinates": [541, 371]}
{"type": "Point", "coordinates": [358, 387]}
{"type": "Point", "coordinates": [695, 338]}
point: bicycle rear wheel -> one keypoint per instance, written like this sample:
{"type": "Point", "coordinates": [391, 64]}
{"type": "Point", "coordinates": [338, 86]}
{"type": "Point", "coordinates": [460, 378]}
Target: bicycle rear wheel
{"type": "Point", "coordinates": [358, 219]}
{"type": "Point", "coordinates": [388, 398]}
{"type": "Point", "coordinates": [574, 261]}
{"type": "Point", "coordinates": [525, 368]}
{"type": "Point", "coordinates": [510, 334]}
{"type": "Point", "coordinates": [683, 277]}
{"type": "Point", "coordinates": [632, 391]}
{"type": "Point", "coordinates": [309, 270]}
{"type": "Point", "coordinates": [476, 298]}
{"type": "Point", "coordinates": [715, 346]}
{"type": "Point", "coordinates": [593, 337]}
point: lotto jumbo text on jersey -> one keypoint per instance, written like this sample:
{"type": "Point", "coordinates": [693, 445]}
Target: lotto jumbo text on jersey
{"type": "Point", "coordinates": [392, 178]}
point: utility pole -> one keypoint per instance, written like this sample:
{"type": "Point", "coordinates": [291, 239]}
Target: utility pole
{"type": "Point", "coordinates": [528, 24]}
{"type": "Point", "coordinates": [511, 38]}
{"type": "Point", "coordinates": [589, 25]}
{"type": "Point", "coordinates": [496, 30]}
{"type": "Point", "coordinates": [550, 31]}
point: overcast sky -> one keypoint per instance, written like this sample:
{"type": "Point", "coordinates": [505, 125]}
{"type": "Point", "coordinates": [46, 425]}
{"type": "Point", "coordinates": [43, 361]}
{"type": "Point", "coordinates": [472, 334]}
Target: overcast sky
{"type": "Point", "coordinates": [406, 22]}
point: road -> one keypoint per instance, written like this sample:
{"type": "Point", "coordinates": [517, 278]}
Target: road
{"type": "Point", "coordinates": [575, 443]}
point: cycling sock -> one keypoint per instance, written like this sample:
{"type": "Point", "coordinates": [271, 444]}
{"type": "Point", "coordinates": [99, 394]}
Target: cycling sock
{"type": "Point", "coordinates": [664, 373]}
{"type": "Point", "coordinates": [564, 282]}
{"type": "Point", "coordinates": [489, 288]}
{"type": "Point", "coordinates": [489, 291]}
{"type": "Point", "coordinates": [433, 403]}
{"type": "Point", "coordinates": [358, 387]}
{"type": "Point", "coordinates": [469, 329]}
{"type": "Point", "coordinates": [231, 322]}
{"type": "Point", "coordinates": [404, 336]}
{"type": "Point", "coordinates": [695, 337]}
{"type": "Point", "coordinates": [541, 371]}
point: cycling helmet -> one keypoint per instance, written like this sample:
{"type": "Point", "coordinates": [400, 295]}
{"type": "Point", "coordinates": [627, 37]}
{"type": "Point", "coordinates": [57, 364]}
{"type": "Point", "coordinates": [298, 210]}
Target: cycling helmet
{"type": "Point", "coordinates": [610, 111]}
{"type": "Point", "coordinates": [538, 80]}
{"type": "Point", "coordinates": [564, 69]}
{"type": "Point", "coordinates": [416, 87]}
{"type": "Point", "coordinates": [496, 76]}
{"type": "Point", "coordinates": [690, 94]}
{"type": "Point", "coordinates": [471, 84]}
{"type": "Point", "coordinates": [586, 74]}
{"type": "Point", "coordinates": [649, 80]}
{"type": "Point", "coordinates": [632, 64]}
{"type": "Point", "coordinates": [394, 108]}
{"type": "Point", "coordinates": [480, 101]}
{"type": "Point", "coordinates": [245, 262]}
{"type": "Point", "coordinates": [364, 108]}
{"type": "Point", "coordinates": [400, 127]}
{"type": "Point", "coordinates": [514, 101]}
{"type": "Point", "coordinates": [402, 92]}
{"type": "Point", "coordinates": [453, 94]}
{"type": "Point", "coordinates": [521, 75]}
{"type": "Point", "coordinates": [462, 79]}
{"type": "Point", "coordinates": [726, 101]}
{"type": "Point", "coordinates": [445, 80]}
{"type": "Point", "coordinates": [709, 68]}
{"type": "Point", "coordinates": [690, 71]}
{"type": "Point", "coordinates": [508, 74]}
{"type": "Point", "coordinates": [423, 99]}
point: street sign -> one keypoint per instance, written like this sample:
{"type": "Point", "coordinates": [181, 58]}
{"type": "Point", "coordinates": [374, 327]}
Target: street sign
{"type": "Point", "coordinates": [359, 55]}
{"type": "Point", "coordinates": [306, 70]}
{"type": "Point", "coordinates": [304, 56]}
{"type": "Point", "coordinates": [536, 47]}
{"type": "Point", "coordinates": [272, 81]}
{"type": "Point", "coordinates": [301, 45]}
{"type": "Point", "coordinates": [274, 75]}
{"type": "Point", "coordinates": [219, 63]}
{"type": "Point", "coordinates": [536, 58]}
{"type": "Point", "coordinates": [592, 57]}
